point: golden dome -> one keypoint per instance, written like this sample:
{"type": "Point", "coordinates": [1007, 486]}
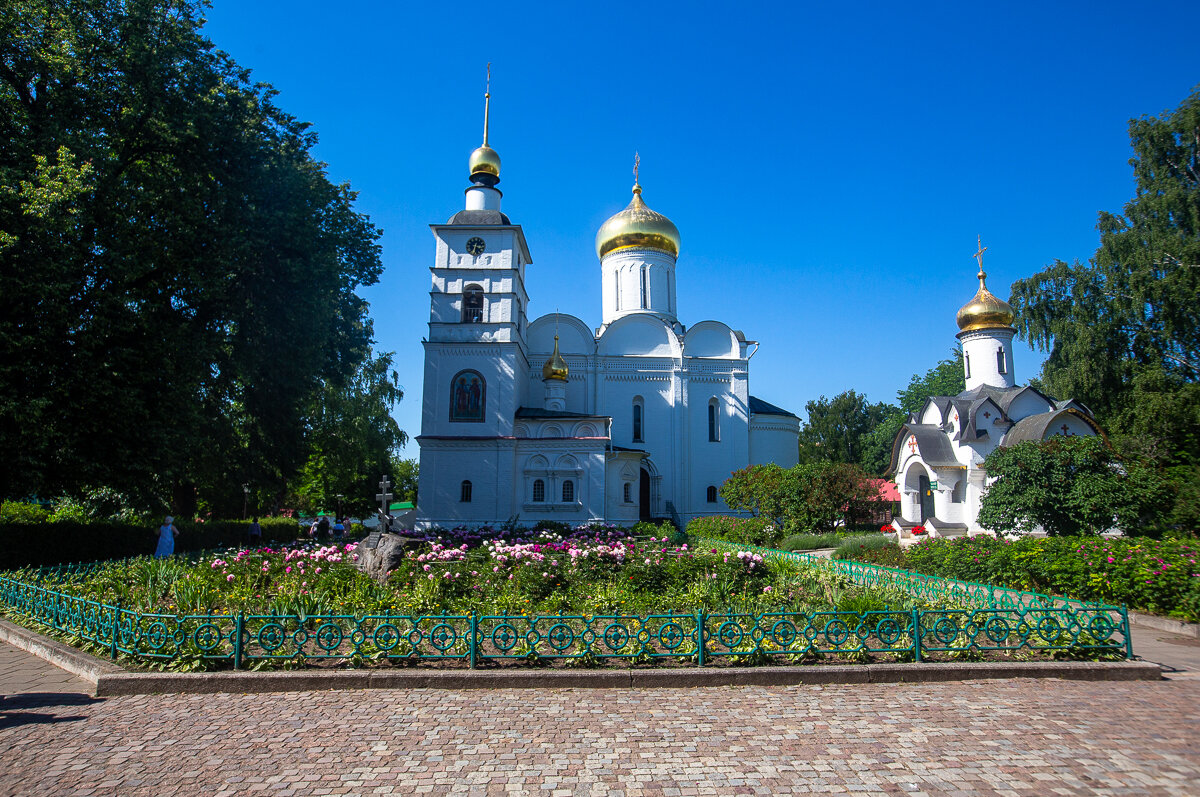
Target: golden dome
{"type": "Point", "coordinates": [556, 366]}
{"type": "Point", "coordinates": [985, 311]}
{"type": "Point", "coordinates": [638, 225]}
{"type": "Point", "coordinates": [484, 160]}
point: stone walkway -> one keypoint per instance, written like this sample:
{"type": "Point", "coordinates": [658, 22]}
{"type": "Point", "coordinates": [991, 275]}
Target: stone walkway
{"type": "Point", "coordinates": [1014, 737]}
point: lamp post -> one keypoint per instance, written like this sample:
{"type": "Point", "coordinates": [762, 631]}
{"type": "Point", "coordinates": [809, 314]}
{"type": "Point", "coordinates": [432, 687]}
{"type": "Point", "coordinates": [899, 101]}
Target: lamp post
{"type": "Point", "coordinates": [339, 498]}
{"type": "Point", "coordinates": [245, 498]}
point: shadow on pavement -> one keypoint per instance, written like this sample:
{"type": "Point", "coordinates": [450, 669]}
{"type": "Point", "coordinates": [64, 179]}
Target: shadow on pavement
{"type": "Point", "coordinates": [15, 709]}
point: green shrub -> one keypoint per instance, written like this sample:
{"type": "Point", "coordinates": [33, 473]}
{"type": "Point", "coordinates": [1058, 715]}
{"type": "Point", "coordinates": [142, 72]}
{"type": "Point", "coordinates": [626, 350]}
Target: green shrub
{"type": "Point", "coordinates": [18, 512]}
{"type": "Point", "coordinates": [866, 542]}
{"type": "Point", "coordinates": [748, 531]}
{"type": "Point", "coordinates": [810, 542]}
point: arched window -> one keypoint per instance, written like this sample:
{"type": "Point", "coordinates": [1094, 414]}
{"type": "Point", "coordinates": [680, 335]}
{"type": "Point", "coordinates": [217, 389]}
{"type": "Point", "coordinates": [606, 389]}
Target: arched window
{"type": "Point", "coordinates": [628, 493]}
{"type": "Point", "coordinates": [539, 490]}
{"type": "Point", "coordinates": [714, 426]}
{"type": "Point", "coordinates": [465, 492]}
{"type": "Point", "coordinates": [967, 364]}
{"type": "Point", "coordinates": [472, 304]}
{"type": "Point", "coordinates": [637, 419]}
{"type": "Point", "coordinates": [1001, 362]}
{"type": "Point", "coordinates": [645, 293]}
{"type": "Point", "coordinates": [712, 494]}
{"type": "Point", "coordinates": [468, 396]}
{"type": "Point", "coordinates": [568, 491]}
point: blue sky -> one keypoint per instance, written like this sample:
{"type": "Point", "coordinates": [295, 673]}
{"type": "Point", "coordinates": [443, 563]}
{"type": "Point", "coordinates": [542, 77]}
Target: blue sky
{"type": "Point", "coordinates": [828, 166]}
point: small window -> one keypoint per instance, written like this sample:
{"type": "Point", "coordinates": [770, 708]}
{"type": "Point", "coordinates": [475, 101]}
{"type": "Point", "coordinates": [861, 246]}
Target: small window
{"type": "Point", "coordinates": [967, 364]}
{"type": "Point", "coordinates": [628, 493]}
{"type": "Point", "coordinates": [714, 428]}
{"type": "Point", "coordinates": [645, 293]}
{"type": "Point", "coordinates": [465, 493]}
{"type": "Point", "coordinates": [637, 420]}
{"type": "Point", "coordinates": [472, 305]}
{"type": "Point", "coordinates": [712, 494]}
{"type": "Point", "coordinates": [539, 490]}
{"type": "Point", "coordinates": [568, 491]}
{"type": "Point", "coordinates": [1001, 362]}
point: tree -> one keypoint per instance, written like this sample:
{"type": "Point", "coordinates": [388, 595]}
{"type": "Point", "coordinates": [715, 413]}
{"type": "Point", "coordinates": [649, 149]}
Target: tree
{"type": "Point", "coordinates": [826, 493]}
{"type": "Point", "coordinates": [352, 439]}
{"type": "Point", "coordinates": [944, 379]}
{"type": "Point", "coordinates": [1072, 485]}
{"type": "Point", "coordinates": [406, 474]}
{"type": "Point", "coordinates": [180, 272]}
{"type": "Point", "coordinates": [1134, 304]}
{"type": "Point", "coordinates": [809, 497]}
{"type": "Point", "coordinates": [835, 428]}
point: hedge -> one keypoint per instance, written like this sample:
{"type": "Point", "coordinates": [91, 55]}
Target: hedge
{"type": "Point", "coordinates": [1160, 576]}
{"type": "Point", "coordinates": [41, 543]}
{"type": "Point", "coordinates": [744, 530]}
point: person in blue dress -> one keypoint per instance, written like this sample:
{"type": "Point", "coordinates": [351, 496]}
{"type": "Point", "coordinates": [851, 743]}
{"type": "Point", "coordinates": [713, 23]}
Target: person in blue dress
{"type": "Point", "coordinates": [166, 538]}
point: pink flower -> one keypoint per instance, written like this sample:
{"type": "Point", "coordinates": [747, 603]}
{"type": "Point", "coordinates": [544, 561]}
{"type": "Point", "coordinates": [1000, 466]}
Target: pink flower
{"type": "Point", "coordinates": [287, 569]}
{"type": "Point", "coordinates": [229, 577]}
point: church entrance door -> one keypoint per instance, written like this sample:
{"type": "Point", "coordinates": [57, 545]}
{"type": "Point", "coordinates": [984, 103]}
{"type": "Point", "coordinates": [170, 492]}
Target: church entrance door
{"type": "Point", "coordinates": [926, 498]}
{"type": "Point", "coordinates": [644, 495]}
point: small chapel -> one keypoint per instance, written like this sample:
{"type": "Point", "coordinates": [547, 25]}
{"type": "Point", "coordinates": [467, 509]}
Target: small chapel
{"type": "Point", "coordinates": [938, 454]}
{"type": "Point", "coordinates": [639, 418]}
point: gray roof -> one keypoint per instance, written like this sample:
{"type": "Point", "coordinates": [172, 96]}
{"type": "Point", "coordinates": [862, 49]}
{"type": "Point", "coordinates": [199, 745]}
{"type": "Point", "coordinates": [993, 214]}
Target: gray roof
{"type": "Point", "coordinates": [1034, 427]}
{"type": "Point", "coordinates": [760, 407]}
{"type": "Point", "coordinates": [474, 218]}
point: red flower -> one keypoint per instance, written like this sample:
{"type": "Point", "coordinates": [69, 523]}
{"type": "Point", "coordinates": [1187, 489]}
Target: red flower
{"type": "Point", "coordinates": [919, 530]}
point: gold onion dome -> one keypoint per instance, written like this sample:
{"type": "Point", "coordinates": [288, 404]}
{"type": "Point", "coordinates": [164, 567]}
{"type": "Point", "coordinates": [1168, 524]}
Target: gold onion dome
{"type": "Point", "coordinates": [985, 311]}
{"type": "Point", "coordinates": [556, 366]}
{"type": "Point", "coordinates": [638, 226]}
{"type": "Point", "coordinates": [484, 160]}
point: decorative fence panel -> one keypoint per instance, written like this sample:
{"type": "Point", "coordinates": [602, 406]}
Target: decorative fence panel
{"type": "Point", "coordinates": [700, 639]}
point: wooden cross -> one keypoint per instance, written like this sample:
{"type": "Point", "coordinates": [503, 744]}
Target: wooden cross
{"type": "Point", "coordinates": [384, 497]}
{"type": "Point", "coordinates": [912, 444]}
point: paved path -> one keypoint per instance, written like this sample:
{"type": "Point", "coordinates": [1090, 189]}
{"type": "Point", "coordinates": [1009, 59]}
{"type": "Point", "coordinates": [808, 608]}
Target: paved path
{"type": "Point", "coordinates": [1014, 737]}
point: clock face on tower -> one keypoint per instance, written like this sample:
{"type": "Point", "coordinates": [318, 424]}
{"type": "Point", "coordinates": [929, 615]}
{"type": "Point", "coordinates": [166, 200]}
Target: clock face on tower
{"type": "Point", "coordinates": [475, 247]}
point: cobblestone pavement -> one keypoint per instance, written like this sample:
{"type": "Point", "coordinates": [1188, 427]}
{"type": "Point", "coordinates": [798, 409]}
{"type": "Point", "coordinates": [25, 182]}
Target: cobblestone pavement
{"type": "Point", "coordinates": [1015, 737]}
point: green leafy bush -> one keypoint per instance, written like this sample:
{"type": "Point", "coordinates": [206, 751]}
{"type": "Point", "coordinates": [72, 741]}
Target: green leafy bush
{"type": "Point", "coordinates": [1160, 576]}
{"type": "Point", "coordinates": [748, 531]}
{"type": "Point", "coordinates": [18, 512]}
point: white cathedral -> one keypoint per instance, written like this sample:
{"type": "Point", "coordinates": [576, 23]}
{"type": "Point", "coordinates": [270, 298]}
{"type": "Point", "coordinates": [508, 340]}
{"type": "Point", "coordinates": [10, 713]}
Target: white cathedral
{"type": "Point", "coordinates": [938, 454]}
{"type": "Point", "coordinates": [522, 420]}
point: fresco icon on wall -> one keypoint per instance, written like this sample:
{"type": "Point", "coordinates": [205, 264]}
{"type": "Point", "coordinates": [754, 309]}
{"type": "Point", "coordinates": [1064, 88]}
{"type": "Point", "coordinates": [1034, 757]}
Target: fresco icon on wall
{"type": "Point", "coordinates": [468, 394]}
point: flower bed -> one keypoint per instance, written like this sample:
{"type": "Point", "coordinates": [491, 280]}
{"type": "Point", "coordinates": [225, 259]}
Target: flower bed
{"type": "Point", "coordinates": [587, 596]}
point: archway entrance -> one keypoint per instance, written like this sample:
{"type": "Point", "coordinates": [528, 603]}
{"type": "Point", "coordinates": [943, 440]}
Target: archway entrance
{"type": "Point", "coordinates": [644, 495]}
{"type": "Point", "coordinates": [926, 498]}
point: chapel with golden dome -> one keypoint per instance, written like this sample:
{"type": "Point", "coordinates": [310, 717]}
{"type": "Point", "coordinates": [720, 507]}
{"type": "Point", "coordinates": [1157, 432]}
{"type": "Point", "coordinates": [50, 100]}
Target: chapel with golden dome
{"type": "Point", "coordinates": [938, 454]}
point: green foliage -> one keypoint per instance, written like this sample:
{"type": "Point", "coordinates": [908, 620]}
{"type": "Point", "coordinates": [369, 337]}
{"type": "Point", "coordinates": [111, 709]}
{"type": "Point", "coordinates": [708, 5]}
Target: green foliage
{"type": "Point", "coordinates": [810, 542]}
{"type": "Point", "coordinates": [19, 513]}
{"type": "Point", "coordinates": [810, 497]}
{"type": "Point", "coordinates": [181, 269]}
{"type": "Point", "coordinates": [86, 539]}
{"type": "Point", "coordinates": [852, 547]}
{"type": "Point", "coordinates": [835, 428]}
{"type": "Point", "coordinates": [760, 531]}
{"type": "Point", "coordinates": [1071, 486]}
{"type": "Point", "coordinates": [1153, 575]}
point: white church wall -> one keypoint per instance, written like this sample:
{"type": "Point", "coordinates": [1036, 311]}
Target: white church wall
{"type": "Point", "coordinates": [636, 281]}
{"type": "Point", "coordinates": [445, 464]}
{"type": "Point", "coordinates": [1075, 427]}
{"type": "Point", "coordinates": [503, 369]}
{"type": "Point", "coordinates": [640, 335]}
{"type": "Point", "coordinates": [980, 349]}
{"type": "Point", "coordinates": [774, 439]}
{"type": "Point", "coordinates": [711, 339]}
{"type": "Point", "coordinates": [710, 462]}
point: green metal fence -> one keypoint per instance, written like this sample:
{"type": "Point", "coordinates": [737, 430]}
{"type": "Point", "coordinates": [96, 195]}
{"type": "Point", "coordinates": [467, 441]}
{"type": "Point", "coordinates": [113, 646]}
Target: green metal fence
{"type": "Point", "coordinates": [933, 589]}
{"type": "Point", "coordinates": [700, 638]}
